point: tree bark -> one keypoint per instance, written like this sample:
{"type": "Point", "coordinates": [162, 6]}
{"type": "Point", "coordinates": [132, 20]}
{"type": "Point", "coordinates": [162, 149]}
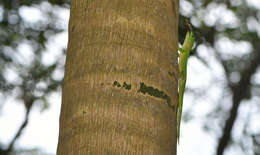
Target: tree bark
{"type": "Point", "coordinates": [120, 87]}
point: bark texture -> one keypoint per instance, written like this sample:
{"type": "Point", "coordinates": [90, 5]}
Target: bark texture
{"type": "Point", "coordinates": [120, 88]}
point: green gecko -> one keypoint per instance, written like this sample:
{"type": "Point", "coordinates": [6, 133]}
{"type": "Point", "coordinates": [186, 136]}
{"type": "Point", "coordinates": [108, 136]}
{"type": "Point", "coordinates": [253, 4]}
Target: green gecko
{"type": "Point", "coordinates": [183, 59]}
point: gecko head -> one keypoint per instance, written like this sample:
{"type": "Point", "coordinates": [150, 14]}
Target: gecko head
{"type": "Point", "coordinates": [191, 36]}
{"type": "Point", "coordinates": [190, 40]}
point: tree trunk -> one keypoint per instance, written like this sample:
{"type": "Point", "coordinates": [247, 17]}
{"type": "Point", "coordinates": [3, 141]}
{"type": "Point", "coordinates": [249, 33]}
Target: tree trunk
{"type": "Point", "coordinates": [120, 87]}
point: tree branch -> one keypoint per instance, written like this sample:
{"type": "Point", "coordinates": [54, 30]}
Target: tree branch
{"type": "Point", "coordinates": [29, 104]}
{"type": "Point", "coordinates": [241, 90]}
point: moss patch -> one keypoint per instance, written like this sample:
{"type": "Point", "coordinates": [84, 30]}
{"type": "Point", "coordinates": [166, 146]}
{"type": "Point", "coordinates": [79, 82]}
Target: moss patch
{"type": "Point", "coordinates": [125, 85]}
{"type": "Point", "coordinates": [154, 92]}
